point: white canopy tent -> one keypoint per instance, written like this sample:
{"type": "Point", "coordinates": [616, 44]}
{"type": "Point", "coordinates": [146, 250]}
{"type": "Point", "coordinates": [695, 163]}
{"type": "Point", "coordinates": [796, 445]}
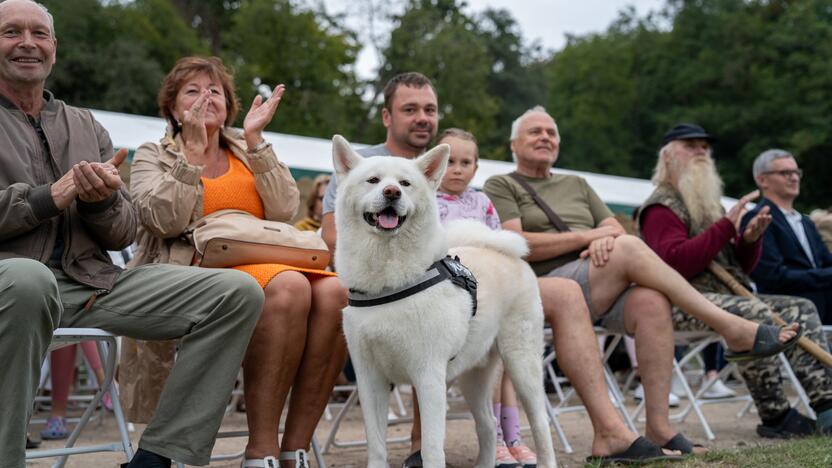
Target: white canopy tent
{"type": "Point", "coordinates": [306, 155]}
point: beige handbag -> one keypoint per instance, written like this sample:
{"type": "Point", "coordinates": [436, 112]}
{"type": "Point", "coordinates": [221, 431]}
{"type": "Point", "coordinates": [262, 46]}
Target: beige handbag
{"type": "Point", "coordinates": [228, 238]}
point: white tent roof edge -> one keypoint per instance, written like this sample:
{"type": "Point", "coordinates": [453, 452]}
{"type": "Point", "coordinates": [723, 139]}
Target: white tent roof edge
{"type": "Point", "coordinates": [314, 154]}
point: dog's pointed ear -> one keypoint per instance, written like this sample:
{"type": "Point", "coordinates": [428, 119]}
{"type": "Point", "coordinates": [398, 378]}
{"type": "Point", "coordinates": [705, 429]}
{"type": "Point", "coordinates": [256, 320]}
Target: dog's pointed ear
{"type": "Point", "coordinates": [433, 164]}
{"type": "Point", "coordinates": [344, 159]}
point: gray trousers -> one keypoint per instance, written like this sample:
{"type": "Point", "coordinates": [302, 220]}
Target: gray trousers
{"type": "Point", "coordinates": [213, 312]}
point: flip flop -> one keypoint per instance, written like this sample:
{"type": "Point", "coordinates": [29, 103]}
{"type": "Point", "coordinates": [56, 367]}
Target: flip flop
{"type": "Point", "coordinates": [766, 344]}
{"type": "Point", "coordinates": [681, 443]}
{"type": "Point", "coordinates": [414, 460]}
{"type": "Point", "coordinates": [641, 451]}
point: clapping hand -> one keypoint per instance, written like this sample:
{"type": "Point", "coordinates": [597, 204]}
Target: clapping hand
{"type": "Point", "coordinates": [260, 114]}
{"type": "Point", "coordinates": [757, 226]}
{"type": "Point", "coordinates": [194, 133]}
{"type": "Point", "coordinates": [737, 211]}
{"type": "Point", "coordinates": [95, 182]}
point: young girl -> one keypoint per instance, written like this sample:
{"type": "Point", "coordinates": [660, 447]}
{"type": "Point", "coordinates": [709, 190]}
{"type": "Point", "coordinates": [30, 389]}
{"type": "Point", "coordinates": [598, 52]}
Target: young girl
{"type": "Point", "coordinates": [457, 200]}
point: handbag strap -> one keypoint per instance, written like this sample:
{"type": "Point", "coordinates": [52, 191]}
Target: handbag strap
{"type": "Point", "coordinates": [556, 220]}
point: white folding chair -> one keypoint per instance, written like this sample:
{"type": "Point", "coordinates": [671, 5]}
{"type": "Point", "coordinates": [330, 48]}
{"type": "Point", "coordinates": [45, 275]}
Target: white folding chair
{"type": "Point", "coordinates": [562, 407]}
{"type": "Point", "coordinates": [397, 416]}
{"type": "Point", "coordinates": [107, 349]}
{"type": "Point", "coordinates": [236, 397]}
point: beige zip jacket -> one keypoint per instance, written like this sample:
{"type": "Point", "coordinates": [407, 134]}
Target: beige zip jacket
{"type": "Point", "coordinates": [168, 194]}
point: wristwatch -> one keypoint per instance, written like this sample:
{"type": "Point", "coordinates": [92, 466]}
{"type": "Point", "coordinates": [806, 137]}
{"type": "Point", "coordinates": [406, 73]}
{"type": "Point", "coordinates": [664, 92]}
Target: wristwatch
{"type": "Point", "coordinates": [258, 147]}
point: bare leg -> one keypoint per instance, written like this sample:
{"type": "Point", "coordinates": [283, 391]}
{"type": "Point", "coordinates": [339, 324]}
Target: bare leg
{"type": "Point", "coordinates": [416, 429]}
{"type": "Point", "coordinates": [509, 396]}
{"type": "Point", "coordinates": [272, 359]}
{"type": "Point", "coordinates": [647, 318]}
{"type": "Point", "coordinates": [632, 261]}
{"type": "Point", "coordinates": [62, 369]}
{"type": "Point", "coordinates": [323, 359]}
{"type": "Point", "coordinates": [579, 358]}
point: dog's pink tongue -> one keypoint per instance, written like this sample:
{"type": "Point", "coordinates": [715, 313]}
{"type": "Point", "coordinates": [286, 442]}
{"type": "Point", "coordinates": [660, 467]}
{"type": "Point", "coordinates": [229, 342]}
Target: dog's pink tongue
{"type": "Point", "coordinates": [388, 221]}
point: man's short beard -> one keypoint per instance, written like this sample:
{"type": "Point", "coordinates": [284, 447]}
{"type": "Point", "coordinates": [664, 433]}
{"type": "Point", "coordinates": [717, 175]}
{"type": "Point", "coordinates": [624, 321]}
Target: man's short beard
{"type": "Point", "coordinates": [701, 190]}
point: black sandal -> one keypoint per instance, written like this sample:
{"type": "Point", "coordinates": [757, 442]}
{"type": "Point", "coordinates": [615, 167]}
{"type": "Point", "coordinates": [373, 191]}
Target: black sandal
{"type": "Point", "coordinates": [31, 443]}
{"type": "Point", "coordinates": [641, 451]}
{"type": "Point", "coordinates": [766, 343]}
{"type": "Point", "coordinates": [681, 443]}
{"type": "Point", "coordinates": [414, 460]}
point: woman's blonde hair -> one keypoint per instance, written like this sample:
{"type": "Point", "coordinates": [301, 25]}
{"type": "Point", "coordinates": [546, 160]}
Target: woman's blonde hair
{"type": "Point", "coordinates": [322, 179]}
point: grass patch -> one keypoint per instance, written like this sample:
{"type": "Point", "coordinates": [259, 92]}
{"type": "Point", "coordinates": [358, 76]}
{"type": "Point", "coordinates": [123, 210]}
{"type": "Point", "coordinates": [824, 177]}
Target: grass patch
{"type": "Point", "coordinates": [810, 452]}
{"type": "Point", "coordinates": [813, 452]}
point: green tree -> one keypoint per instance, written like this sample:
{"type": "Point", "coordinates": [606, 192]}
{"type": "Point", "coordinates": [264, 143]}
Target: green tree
{"type": "Point", "coordinates": [517, 80]}
{"type": "Point", "coordinates": [274, 41]}
{"type": "Point", "coordinates": [436, 38]}
{"type": "Point", "coordinates": [754, 74]}
{"type": "Point", "coordinates": [114, 56]}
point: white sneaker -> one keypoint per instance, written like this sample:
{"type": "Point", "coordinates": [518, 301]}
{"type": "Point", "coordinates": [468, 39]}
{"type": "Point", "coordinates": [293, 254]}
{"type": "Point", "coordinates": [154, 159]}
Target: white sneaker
{"type": "Point", "coordinates": [677, 388]}
{"type": "Point", "coordinates": [672, 400]}
{"type": "Point", "coordinates": [719, 390]}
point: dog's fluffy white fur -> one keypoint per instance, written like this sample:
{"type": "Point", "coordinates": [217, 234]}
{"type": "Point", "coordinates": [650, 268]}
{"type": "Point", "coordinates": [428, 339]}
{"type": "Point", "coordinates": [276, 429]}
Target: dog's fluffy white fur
{"type": "Point", "coordinates": [388, 235]}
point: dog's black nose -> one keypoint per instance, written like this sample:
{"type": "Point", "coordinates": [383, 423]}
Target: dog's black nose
{"type": "Point", "coordinates": [391, 192]}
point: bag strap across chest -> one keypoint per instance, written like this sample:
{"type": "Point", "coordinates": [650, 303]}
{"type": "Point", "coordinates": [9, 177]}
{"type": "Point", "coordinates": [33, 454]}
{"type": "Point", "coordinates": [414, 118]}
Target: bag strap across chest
{"type": "Point", "coordinates": [556, 220]}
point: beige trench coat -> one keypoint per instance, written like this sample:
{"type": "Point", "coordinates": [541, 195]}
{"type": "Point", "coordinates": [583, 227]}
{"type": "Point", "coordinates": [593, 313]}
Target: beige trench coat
{"type": "Point", "coordinates": [168, 195]}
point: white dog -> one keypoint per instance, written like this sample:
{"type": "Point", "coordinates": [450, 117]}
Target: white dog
{"type": "Point", "coordinates": [390, 240]}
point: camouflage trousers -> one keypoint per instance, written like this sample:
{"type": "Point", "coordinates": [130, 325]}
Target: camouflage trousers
{"type": "Point", "coordinates": [762, 376]}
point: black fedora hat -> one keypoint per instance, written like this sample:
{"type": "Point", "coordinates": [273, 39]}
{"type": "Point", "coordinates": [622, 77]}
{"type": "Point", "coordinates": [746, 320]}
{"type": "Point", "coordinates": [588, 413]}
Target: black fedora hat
{"type": "Point", "coordinates": [686, 131]}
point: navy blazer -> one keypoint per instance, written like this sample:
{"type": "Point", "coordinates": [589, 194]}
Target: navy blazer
{"type": "Point", "coordinates": [784, 267]}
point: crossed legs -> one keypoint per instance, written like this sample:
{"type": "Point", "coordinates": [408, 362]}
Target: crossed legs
{"type": "Point", "coordinates": [579, 358]}
{"type": "Point", "coordinates": [632, 261]}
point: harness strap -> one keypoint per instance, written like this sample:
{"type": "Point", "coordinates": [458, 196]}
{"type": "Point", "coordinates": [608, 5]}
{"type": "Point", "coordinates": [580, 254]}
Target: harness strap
{"type": "Point", "coordinates": [446, 268]}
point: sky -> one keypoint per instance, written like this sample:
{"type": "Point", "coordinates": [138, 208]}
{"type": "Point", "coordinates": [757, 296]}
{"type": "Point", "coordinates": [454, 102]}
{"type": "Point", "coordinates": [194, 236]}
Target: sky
{"type": "Point", "coordinates": [547, 21]}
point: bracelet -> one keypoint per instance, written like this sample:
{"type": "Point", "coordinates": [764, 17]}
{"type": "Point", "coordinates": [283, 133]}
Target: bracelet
{"type": "Point", "coordinates": [258, 147]}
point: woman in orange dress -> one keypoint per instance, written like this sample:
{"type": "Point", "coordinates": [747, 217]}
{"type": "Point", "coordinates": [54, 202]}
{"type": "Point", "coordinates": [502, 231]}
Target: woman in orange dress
{"type": "Point", "coordinates": [201, 166]}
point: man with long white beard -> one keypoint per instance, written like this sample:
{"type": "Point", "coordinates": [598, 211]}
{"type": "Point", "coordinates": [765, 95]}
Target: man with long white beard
{"type": "Point", "coordinates": [684, 222]}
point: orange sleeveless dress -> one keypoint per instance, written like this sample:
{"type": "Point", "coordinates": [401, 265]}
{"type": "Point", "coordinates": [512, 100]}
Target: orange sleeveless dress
{"type": "Point", "coordinates": [236, 190]}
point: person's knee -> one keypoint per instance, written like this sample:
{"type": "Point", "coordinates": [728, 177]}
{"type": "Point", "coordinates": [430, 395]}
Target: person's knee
{"type": "Point", "coordinates": [630, 245]}
{"type": "Point", "coordinates": [29, 287]}
{"type": "Point", "coordinates": [331, 291]}
{"type": "Point", "coordinates": [288, 294]}
{"type": "Point", "coordinates": [650, 308]}
{"type": "Point", "coordinates": [243, 289]}
{"type": "Point", "coordinates": [562, 299]}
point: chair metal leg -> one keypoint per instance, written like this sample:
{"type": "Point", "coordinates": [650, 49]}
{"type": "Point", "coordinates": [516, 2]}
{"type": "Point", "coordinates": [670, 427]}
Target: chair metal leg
{"type": "Point", "coordinates": [106, 345]}
{"type": "Point", "coordinates": [801, 392]}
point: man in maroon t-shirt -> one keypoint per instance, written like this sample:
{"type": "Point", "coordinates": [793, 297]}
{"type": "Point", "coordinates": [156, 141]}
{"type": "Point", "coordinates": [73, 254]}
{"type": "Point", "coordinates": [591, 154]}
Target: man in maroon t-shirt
{"type": "Point", "coordinates": [684, 222]}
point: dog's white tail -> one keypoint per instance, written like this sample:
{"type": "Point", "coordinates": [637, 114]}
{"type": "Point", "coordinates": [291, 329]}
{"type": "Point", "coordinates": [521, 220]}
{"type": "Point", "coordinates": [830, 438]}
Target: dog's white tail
{"type": "Point", "coordinates": [466, 232]}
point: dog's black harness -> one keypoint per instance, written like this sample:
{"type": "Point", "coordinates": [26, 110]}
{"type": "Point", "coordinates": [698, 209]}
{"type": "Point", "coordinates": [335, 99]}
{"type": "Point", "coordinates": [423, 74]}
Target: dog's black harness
{"type": "Point", "coordinates": [446, 268]}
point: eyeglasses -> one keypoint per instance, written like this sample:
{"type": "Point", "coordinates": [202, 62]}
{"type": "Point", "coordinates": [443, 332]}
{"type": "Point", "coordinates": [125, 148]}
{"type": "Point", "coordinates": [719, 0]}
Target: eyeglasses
{"type": "Point", "coordinates": [787, 173]}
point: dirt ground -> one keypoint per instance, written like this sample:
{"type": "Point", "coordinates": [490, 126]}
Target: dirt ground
{"type": "Point", "coordinates": [461, 444]}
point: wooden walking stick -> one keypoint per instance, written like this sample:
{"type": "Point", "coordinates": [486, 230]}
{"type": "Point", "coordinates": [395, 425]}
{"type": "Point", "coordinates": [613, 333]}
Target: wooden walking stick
{"type": "Point", "coordinates": [808, 345]}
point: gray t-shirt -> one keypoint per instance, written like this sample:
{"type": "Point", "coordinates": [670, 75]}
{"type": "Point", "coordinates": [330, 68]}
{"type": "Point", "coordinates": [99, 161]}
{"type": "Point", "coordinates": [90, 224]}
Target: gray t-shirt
{"type": "Point", "coordinates": [329, 195]}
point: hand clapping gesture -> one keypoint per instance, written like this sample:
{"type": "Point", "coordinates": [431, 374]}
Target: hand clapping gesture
{"type": "Point", "coordinates": [758, 224]}
{"type": "Point", "coordinates": [194, 133]}
{"type": "Point", "coordinates": [89, 181]}
{"type": "Point", "coordinates": [260, 114]}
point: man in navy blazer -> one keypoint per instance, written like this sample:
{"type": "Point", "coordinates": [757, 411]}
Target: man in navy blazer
{"type": "Point", "coordinates": [795, 261]}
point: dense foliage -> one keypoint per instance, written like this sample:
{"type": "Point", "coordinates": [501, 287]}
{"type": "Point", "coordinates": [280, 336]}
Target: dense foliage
{"type": "Point", "coordinates": [755, 73]}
